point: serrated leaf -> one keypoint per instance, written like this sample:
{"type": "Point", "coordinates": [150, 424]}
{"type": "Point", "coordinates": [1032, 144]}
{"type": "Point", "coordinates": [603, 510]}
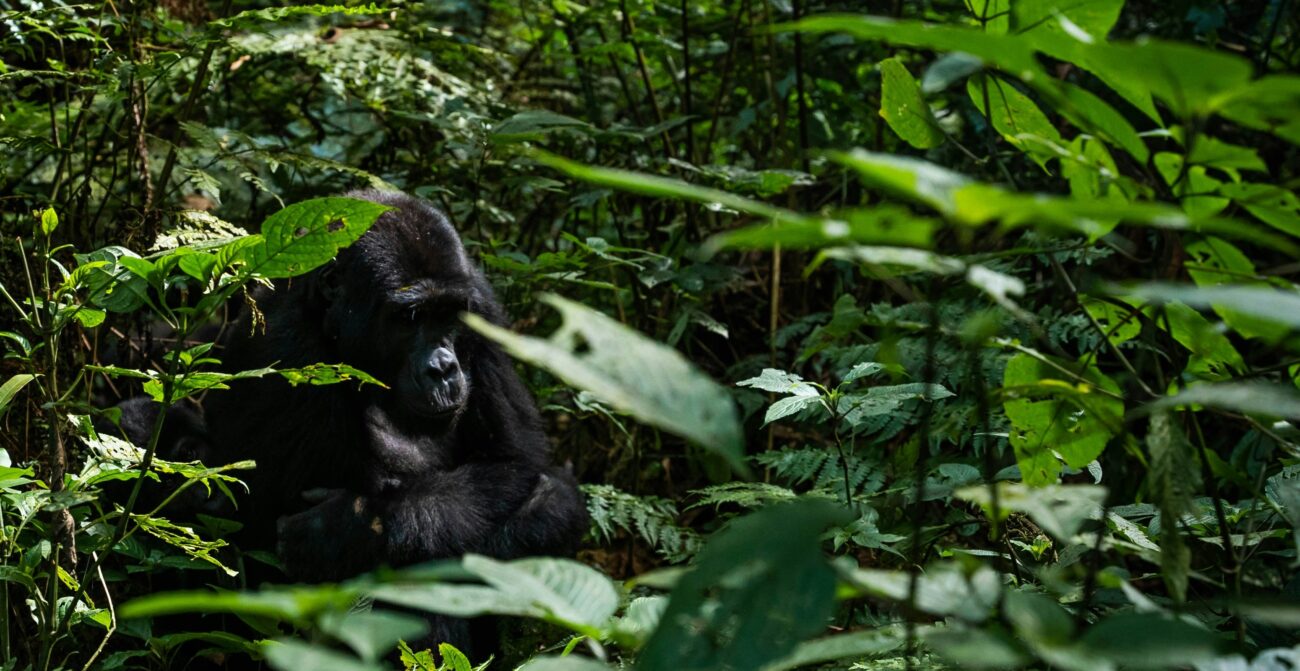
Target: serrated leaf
{"type": "Point", "coordinates": [305, 235]}
{"type": "Point", "coordinates": [779, 382]}
{"type": "Point", "coordinates": [789, 406]}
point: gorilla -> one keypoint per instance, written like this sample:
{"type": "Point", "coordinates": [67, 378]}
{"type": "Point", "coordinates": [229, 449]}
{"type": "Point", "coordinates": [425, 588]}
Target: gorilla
{"type": "Point", "coordinates": [448, 459]}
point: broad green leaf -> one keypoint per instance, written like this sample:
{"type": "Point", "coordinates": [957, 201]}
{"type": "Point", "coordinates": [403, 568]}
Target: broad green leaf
{"type": "Point", "coordinates": [1185, 77]}
{"type": "Point", "coordinates": [252, 17]}
{"type": "Point", "coordinates": [882, 225]}
{"type": "Point", "coordinates": [757, 589]}
{"type": "Point", "coordinates": [1043, 18]}
{"type": "Point", "coordinates": [1040, 621]}
{"type": "Point", "coordinates": [1278, 311]}
{"type": "Point", "coordinates": [1272, 205]}
{"type": "Point", "coordinates": [1013, 115]}
{"type": "Point", "coordinates": [976, 648]}
{"type": "Point", "coordinates": [10, 388]}
{"type": "Point", "coordinates": [902, 106]}
{"type": "Point", "coordinates": [861, 370]}
{"type": "Point", "coordinates": [1119, 324]}
{"type": "Point", "coordinates": [1091, 114]}
{"type": "Point", "coordinates": [858, 408]}
{"type": "Point", "coordinates": [568, 592]}
{"type": "Point", "coordinates": [1267, 104]}
{"type": "Point", "coordinates": [533, 124]}
{"type": "Point", "coordinates": [1194, 186]}
{"type": "Point", "coordinates": [305, 235]}
{"type": "Point", "coordinates": [1213, 263]}
{"type": "Point", "coordinates": [566, 663]}
{"type": "Point", "coordinates": [49, 221]}
{"type": "Point", "coordinates": [846, 645]}
{"type": "Point", "coordinates": [1213, 355]}
{"type": "Point", "coordinates": [1150, 641]}
{"type": "Point", "coordinates": [881, 260]}
{"type": "Point", "coordinates": [296, 605]}
{"type": "Point", "coordinates": [111, 285]}
{"type": "Point", "coordinates": [965, 201]}
{"type": "Point", "coordinates": [372, 634]}
{"type": "Point", "coordinates": [1010, 54]}
{"type": "Point", "coordinates": [665, 187]}
{"type": "Point", "coordinates": [1058, 407]}
{"type": "Point", "coordinates": [292, 655]}
{"type": "Point", "coordinates": [779, 382]}
{"type": "Point", "coordinates": [1214, 153]}
{"type": "Point", "coordinates": [942, 590]}
{"type": "Point", "coordinates": [1252, 398]}
{"type": "Point", "coordinates": [789, 406]}
{"type": "Point", "coordinates": [1060, 510]}
{"type": "Point", "coordinates": [631, 373]}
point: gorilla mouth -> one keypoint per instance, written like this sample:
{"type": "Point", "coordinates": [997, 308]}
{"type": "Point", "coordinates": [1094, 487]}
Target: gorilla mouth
{"type": "Point", "coordinates": [438, 399]}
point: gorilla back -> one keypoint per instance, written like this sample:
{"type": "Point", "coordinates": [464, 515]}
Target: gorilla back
{"type": "Point", "coordinates": [448, 459]}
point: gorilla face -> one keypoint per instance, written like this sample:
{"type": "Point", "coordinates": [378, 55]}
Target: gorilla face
{"type": "Point", "coordinates": [430, 382]}
{"type": "Point", "coordinates": [395, 300]}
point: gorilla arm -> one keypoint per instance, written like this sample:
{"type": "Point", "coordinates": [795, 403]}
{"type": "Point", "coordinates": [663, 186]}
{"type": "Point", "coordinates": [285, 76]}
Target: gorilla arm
{"type": "Point", "coordinates": [500, 509]}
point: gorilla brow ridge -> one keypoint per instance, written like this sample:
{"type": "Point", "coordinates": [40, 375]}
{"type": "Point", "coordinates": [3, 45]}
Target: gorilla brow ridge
{"type": "Point", "coordinates": [427, 292]}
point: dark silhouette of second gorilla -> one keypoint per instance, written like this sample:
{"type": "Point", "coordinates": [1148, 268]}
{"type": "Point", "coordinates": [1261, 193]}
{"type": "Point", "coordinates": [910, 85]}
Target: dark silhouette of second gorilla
{"type": "Point", "coordinates": [449, 459]}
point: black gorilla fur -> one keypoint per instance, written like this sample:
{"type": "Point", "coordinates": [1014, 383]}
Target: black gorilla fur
{"type": "Point", "coordinates": [449, 459]}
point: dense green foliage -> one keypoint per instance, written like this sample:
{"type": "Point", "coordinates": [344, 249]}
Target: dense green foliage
{"type": "Point", "coordinates": [955, 334]}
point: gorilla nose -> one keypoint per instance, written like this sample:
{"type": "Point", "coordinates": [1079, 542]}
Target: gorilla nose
{"type": "Point", "coordinates": [442, 362]}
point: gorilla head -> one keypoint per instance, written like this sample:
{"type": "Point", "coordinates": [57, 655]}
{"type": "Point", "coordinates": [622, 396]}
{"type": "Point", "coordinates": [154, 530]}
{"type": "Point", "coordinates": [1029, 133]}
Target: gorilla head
{"type": "Point", "coordinates": [392, 305]}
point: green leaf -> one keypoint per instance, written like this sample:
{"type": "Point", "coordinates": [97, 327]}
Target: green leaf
{"type": "Point", "coordinates": [749, 600]}
{"type": "Point", "coordinates": [533, 124]}
{"type": "Point", "coordinates": [1150, 641]}
{"type": "Point", "coordinates": [1013, 115]}
{"type": "Point", "coordinates": [1056, 407]}
{"type": "Point", "coordinates": [1174, 479]}
{"type": "Point", "coordinates": [1253, 398]}
{"type": "Point", "coordinates": [976, 648]}
{"type": "Point", "coordinates": [10, 388]}
{"type": "Point", "coordinates": [1272, 205]}
{"type": "Point", "coordinates": [664, 187]}
{"type": "Point", "coordinates": [577, 595]}
{"type": "Point", "coordinates": [1058, 18]}
{"type": "Point", "coordinates": [291, 655]}
{"type": "Point", "coordinates": [1059, 509]}
{"type": "Point", "coordinates": [847, 645]}
{"type": "Point", "coordinates": [559, 591]}
{"type": "Point", "coordinates": [789, 406]}
{"type": "Point", "coordinates": [1038, 620]}
{"type": "Point", "coordinates": [1267, 104]}
{"type": "Point", "coordinates": [1213, 355]}
{"type": "Point", "coordinates": [49, 221]}
{"type": "Point", "coordinates": [884, 224]}
{"type": "Point", "coordinates": [89, 317]}
{"type": "Point", "coordinates": [630, 373]}
{"type": "Point", "coordinates": [252, 17]}
{"type": "Point", "coordinates": [566, 663]}
{"type": "Point", "coordinates": [943, 590]}
{"type": "Point", "coordinates": [1011, 54]}
{"type": "Point", "coordinates": [1275, 311]}
{"type": "Point", "coordinates": [903, 108]}
{"type": "Point", "coordinates": [305, 235]}
{"type": "Point", "coordinates": [296, 605]}
{"type": "Point", "coordinates": [779, 382]}
{"type": "Point", "coordinates": [372, 634]}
